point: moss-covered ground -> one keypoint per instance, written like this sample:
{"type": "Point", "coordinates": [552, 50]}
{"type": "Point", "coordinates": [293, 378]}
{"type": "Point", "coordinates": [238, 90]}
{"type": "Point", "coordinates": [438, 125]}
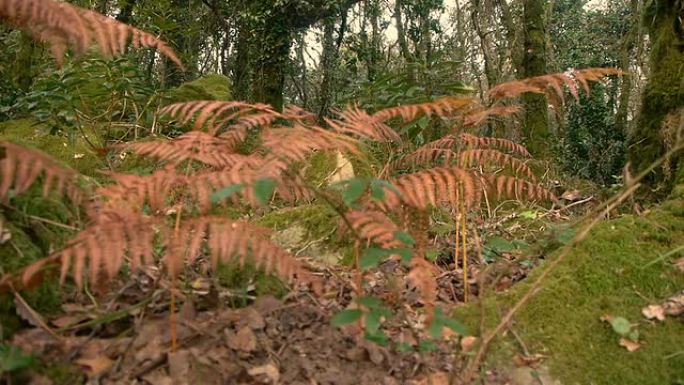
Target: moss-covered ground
{"type": "Point", "coordinates": [606, 274]}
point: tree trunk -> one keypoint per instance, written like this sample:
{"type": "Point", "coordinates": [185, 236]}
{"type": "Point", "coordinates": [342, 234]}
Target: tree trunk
{"type": "Point", "coordinates": [663, 95]}
{"type": "Point", "coordinates": [536, 130]}
{"type": "Point", "coordinates": [626, 49]}
{"type": "Point", "coordinates": [328, 61]}
{"type": "Point", "coordinates": [401, 34]}
{"type": "Point", "coordinates": [274, 54]}
{"type": "Point", "coordinates": [241, 65]}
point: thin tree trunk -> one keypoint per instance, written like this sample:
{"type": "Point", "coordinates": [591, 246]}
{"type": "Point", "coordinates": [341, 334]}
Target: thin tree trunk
{"type": "Point", "coordinates": [401, 35]}
{"type": "Point", "coordinates": [536, 129]}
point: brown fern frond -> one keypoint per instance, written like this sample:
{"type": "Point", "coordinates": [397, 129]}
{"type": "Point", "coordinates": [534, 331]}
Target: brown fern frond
{"type": "Point", "coordinates": [440, 107]}
{"type": "Point", "coordinates": [218, 116]}
{"type": "Point", "coordinates": [476, 118]}
{"type": "Point", "coordinates": [230, 240]}
{"type": "Point", "coordinates": [62, 25]}
{"type": "Point", "coordinates": [295, 144]}
{"type": "Point", "coordinates": [356, 121]}
{"type": "Point", "coordinates": [300, 115]}
{"type": "Point", "coordinates": [216, 151]}
{"type": "Point", "coordinates": [101, 247]}
{"type": "Point", "coordinates": [135, 190]}
{"type": "Point", "coordinates": [432, 187]}
{"type": "Point", "coordinates": [520, 189]}
{"type": "Point", "coordinates": [552, 84]}
{"type": "Point", "coordinates": [476, 157]}
{"type": "Point", "coordinates": [20, 167]}
{"type": "Point", "coordinates": [472, 141]}
{"type": "Point", "coordinates": [374, 226]}
{"type": "Point", "coordinates": [422, 277]}
{"type": "Point", "coordinates": [424, 156]}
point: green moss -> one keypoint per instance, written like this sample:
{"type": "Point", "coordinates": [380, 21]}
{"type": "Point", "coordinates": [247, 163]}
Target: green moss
{"type": "Point", "coordinates": [63, 374]}
{"type": "Point", "coordinates": [320, 165]}
{"type": "Point", "coordinates": [319, 221]}
{"type": "Point", "coordinates": [604, 275]}
{"type": "Point", "coordinates": [73, 153]}
{"type": "Point", "coordinates": [209, 87]}
{"type": "Point", "coordinates": [15, 254]}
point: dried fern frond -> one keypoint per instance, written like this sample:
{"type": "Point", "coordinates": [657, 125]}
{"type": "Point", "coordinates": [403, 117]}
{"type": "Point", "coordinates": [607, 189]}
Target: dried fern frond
{"type": "Point", "coordinates": [136, 190]}
{"type": "Point", "coordinates": [476, 118]}
{"type": "Point", "coordinates": [101, 247]}
{"type": "Point", "coordinates": [512, 187]}
{"type": "Point", "coordinates": [216, 151]}
{"type": "Point", "coordinates": [440, 107]}
{"type": "Point", "coordinates": [62, 25]}
{"type": "Point", "coordinates": [374, 226]}
{"type": "Point", "coordinates": [478, 157]}
{"type": "Point", "coordinates": [472, 141]}
{"type": "Point", "coordinates": [297, 114]}
{"type": "Point", "coordinates": [20, 167]}
{"type": "Point", "coordinates": [422, 277]}
{"type": "Point", "coordinates": [433, 187]}
{"type": "Point", "coordinates": [229, 240]}
{"type": "Point", "coordinates": [219, 116]}
{"type": "Point", "coordinates": [356, 121]}
{"type": "Point", "coordinates": [425, 156]}
{"type": "Point", "coordinates": [295, 144]}
{"type": "Point", "coordinates": [552, 84]}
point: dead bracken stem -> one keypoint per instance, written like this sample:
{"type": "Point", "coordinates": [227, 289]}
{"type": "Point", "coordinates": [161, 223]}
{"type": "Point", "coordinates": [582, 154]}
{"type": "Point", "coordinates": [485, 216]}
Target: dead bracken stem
{"type": "Point", "coordinates": [593, 219]}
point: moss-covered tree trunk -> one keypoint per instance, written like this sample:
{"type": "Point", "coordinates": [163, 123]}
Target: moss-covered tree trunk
{"type": "Point", "coordinates": [536, 128]}
{"type": "Point", "coordinates": [664, 93]}
{"type": "Point", "coordinates": [273, 56]}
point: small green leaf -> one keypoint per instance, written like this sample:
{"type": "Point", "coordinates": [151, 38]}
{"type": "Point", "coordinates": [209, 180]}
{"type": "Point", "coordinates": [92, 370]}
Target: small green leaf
{"type": "Point", "coordinates": [405, 255]}
{"type": "Point", "coordinates": [226, 192]}
{"type": "Point", "coordinates": [431, 255]}
{"type": "Point", "coordinates": [13, 359]}
{"type": "Point", "coordinates": [373, 321]}
{"type": "Point", "coordinates": [378, 187]}
{"type": "Point", "coordinates": [455, 326]}
{"type": "Point", "coordinates": [372, 257]}
{"type": "Point", "coordinates": [263, 189]}
{"type": "Point", "coordinates": [346, 317]}
{"type": "Point", "coordinates": [435, 328]}
{"type": "Point", "coordinates": [404, 237]}
{"type": "Point", "coordinates": [369, 302]}
{"type": "Point", "coordinates": [379, 338]}
{"type": "Point", "coordinates": [403, 347]}
{"type": "Point", "coordinates": [528, 214]}
{"type": "Point", "coordinates": [355, 189]}
{"type": "Point", "coordinates": [427, 346]}
{"type": "Point", "coordinates": [621, 326]}
{"type": "Point", "coordinates": [634, 335]}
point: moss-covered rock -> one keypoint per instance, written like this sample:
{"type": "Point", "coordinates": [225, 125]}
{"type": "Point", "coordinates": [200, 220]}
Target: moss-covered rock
{"type": "Point", "coordinates": [73, 153]}
{"type": "Point", "coordinates": [208, 87]}
{"type": "Point", "coordinates": [606, 274]}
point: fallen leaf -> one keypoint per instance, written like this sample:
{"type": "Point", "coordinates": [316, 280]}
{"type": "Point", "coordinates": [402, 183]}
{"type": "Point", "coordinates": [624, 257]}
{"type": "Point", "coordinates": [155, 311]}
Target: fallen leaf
{"type": "Point", "coordinates": [654, 311]}
{"type": "Point", "coordinates": [571, 195]}
{"type": "Point", "coordinates": [269, 370]}
{"type": "Point", "coordinates": [179, 366]}
{"type": "Point", "coordinates": [467, 343]}
{"type": "Point", "coordinates": [244, 340]}
{"type": "Point", "coordinates": [679, 264]}
{"type": "Point", "coordinates": [629, 344]}
{"type": "Point", "coordinates": [439, 378]}
{"type": "Point", "coordinates": [95, 366]}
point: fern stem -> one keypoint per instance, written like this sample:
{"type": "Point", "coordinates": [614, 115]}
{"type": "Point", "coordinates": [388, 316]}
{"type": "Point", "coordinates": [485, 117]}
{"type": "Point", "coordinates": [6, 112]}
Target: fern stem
{"type": "Point", "coordinates": [464, 230]}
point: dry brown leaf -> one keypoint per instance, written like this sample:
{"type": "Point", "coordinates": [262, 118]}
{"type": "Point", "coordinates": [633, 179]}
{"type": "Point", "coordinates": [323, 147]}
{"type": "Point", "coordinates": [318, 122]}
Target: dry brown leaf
{"type": "Point", "coordinates": [571, 195]}
{"type": "Point", "coordinates": [95, 366]}
{"type": "Point", "coordinates": [179, 367]}
{"type": "Point", "coordinates": [629, 344]}
{"type": "Point", "coordinates": [679, 264]}
{"type": "Point", "coordinates": [467, 343]}
{"type": "Point", "coordinates": [269, 370]}
{"type": "Point", "coordinates": [654, 311]}
{"type": "Point", "coordinates": [439, 378]}
{"type": "Point", "coordinates": [244, 340]}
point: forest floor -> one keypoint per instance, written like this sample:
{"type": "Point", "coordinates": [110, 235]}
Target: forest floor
{"type": "Point", "coordinates": [241, 327]}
